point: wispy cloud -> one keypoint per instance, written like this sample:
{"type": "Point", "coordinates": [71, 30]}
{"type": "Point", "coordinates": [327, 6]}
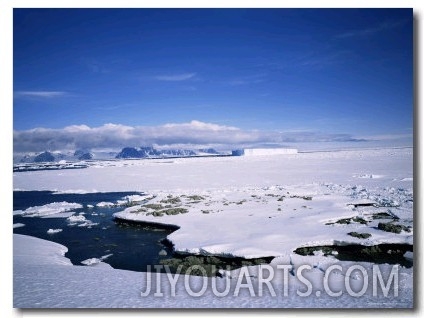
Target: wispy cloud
{"type": "Point", "coordinates": [175, 77]}
{"type": "Point", "coordinates": [40, 94]}
{"type": "Point", "coordinates": [194, 133]}
{"type": "Point", "coordinates": [371, 30]}
{"type": "Point", "coordinates": [247, 80]}
{"type": "Point", "coordinates": [322, 59]}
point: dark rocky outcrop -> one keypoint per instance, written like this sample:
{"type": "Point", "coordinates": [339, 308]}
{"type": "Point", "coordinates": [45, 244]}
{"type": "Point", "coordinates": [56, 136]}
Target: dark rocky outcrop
{"type": "Point", "coordinates": [44, 157]}
{"type": "Point", "coordinates": [86, 156]}
{"type": "Point", "coordinates": [150, 152]}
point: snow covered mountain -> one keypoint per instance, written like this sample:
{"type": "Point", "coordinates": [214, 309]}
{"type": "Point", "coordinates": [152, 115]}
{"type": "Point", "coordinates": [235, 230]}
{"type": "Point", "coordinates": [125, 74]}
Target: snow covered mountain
{"type": "Point", "coordinates": [44, 157]}
{"type": "Point", "coordinates": [150, 152]}
{"type": "Point", "coordinates": [50, 156]}
{"type": "Point", "coordinates": [125, 153]}
{"type": "Point", "coordinates": [83, 154]}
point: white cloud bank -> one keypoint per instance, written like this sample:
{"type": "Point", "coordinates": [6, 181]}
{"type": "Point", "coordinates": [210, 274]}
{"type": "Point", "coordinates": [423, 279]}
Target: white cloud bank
{"type": "Point", "coordinates": [192, 134]}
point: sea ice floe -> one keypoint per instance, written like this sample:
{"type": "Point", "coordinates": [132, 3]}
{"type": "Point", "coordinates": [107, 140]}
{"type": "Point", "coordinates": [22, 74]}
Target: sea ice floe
{"type": "Point", "coordinates": [105, 204]}
{"type": "Point", "coordinates": [80, 221]}
{"type": "Point", "coordinates": [48, 209]}
{"type": "Point", "coordinates": [54, 231]}
{"type": "Point", "coordinates": [95, 261]}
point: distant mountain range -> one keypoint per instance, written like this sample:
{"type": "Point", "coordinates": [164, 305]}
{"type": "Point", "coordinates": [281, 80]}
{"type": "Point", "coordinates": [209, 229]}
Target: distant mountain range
{"type": "Point", "coordinates": [125, 153]}
{"type": "Point", "coordinates": [150, 152]}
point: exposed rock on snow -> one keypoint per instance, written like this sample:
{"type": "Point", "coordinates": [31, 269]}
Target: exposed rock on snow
{"type": "Point", "coordinates": [280, 226]}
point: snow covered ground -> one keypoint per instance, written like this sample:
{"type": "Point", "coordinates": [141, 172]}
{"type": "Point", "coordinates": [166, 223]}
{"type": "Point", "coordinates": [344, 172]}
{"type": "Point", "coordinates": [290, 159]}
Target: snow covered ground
{"type": "Point", "coordinates": [274, 221]}
{"type": "Point", "coordinates": [44, 278]}
{"type": "Point", "coordinates": [238, 206]}
{"type": "Point", "coordinates": [394, 166]}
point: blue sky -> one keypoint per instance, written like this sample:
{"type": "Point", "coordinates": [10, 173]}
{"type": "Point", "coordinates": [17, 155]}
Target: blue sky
{"type": "Point", "coordinates": [265, 75]}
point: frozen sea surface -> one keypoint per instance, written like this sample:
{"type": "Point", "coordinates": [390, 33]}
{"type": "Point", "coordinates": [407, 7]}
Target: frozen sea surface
{"type": "Point", "coordinates": [245, 206]}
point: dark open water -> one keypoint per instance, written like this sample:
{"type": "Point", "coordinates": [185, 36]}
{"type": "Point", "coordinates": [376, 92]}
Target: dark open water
{"type": "Point", "coordinates": [133, 248]}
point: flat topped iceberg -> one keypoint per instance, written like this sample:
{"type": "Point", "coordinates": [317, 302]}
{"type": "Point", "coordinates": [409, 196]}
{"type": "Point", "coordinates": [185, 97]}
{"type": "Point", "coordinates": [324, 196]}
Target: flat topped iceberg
{"type": "Point", "coordinates": [269, 151]}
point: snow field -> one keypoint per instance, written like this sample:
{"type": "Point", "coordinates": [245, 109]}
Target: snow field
{"type": "Point", "coordinates": [236, 206]}
{"type": "Point", "coordinates": [296, 282]}
{"type": "Point", "coordinates": [269, 221]}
